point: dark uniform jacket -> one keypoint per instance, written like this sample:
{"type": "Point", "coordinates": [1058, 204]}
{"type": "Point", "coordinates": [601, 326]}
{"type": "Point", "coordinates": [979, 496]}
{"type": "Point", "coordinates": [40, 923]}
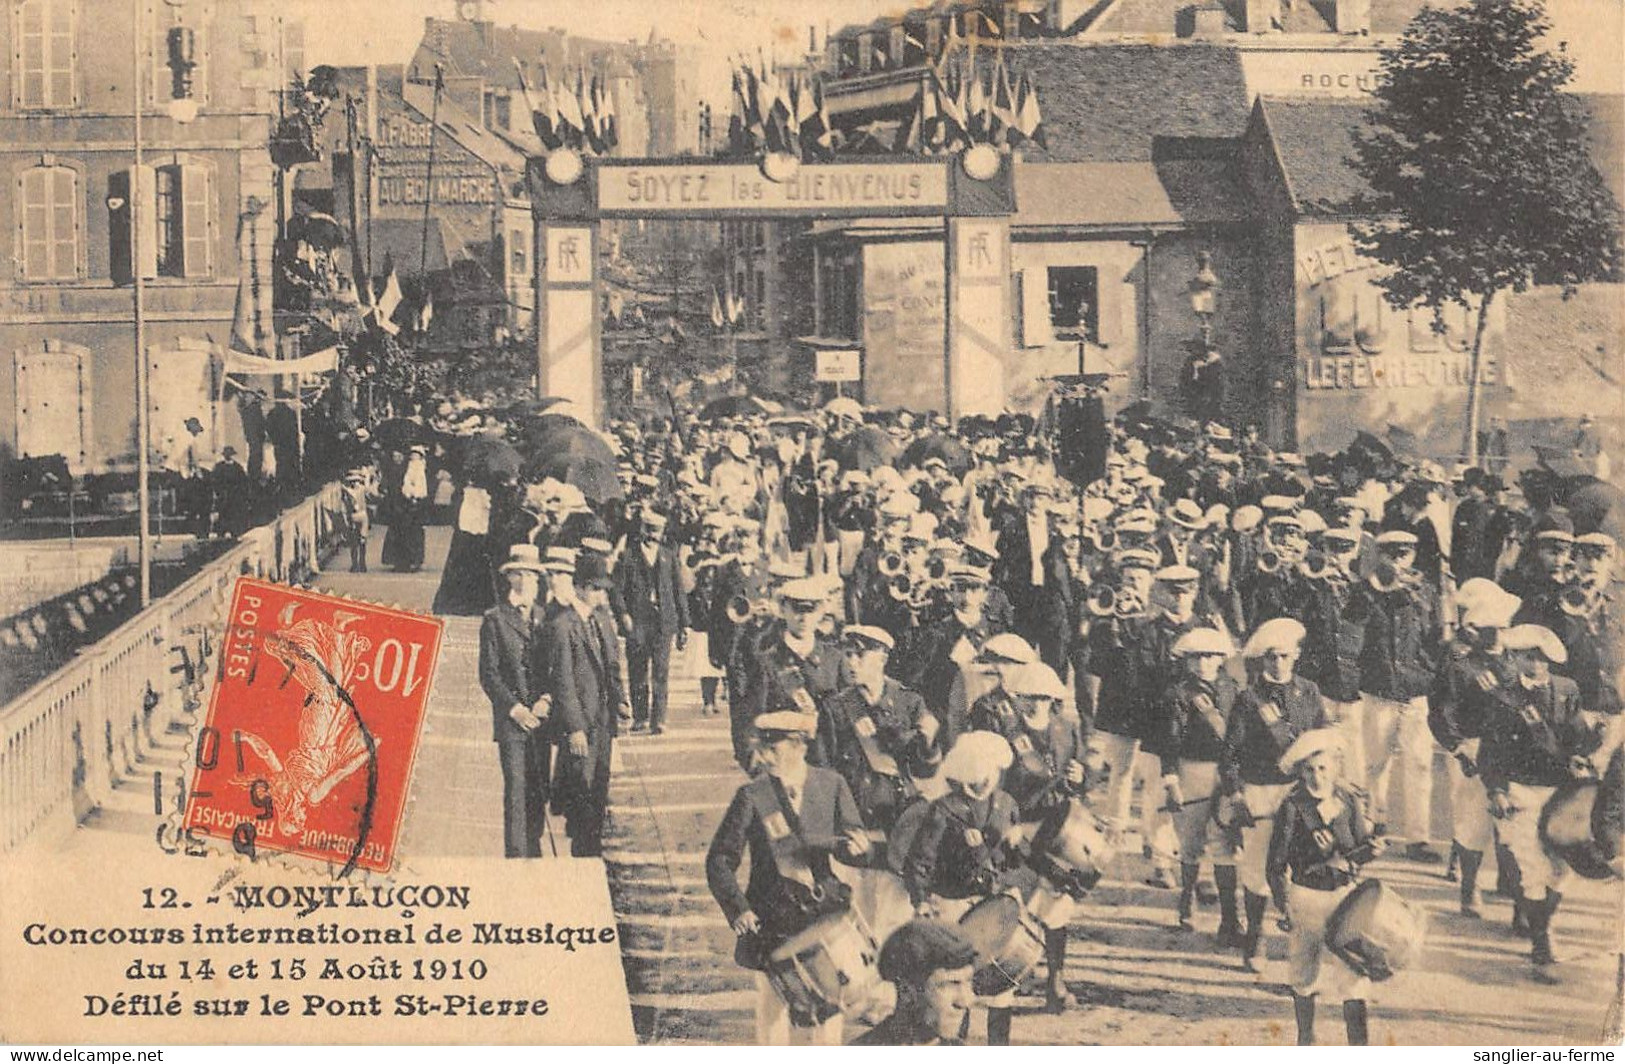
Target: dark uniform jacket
{"type": "Point", "coordinates": [941, 860]}
{"type": "Point", "coordinates": [1470, 689]}
{"type": "Point", "coordinates": [508, 668]}
{"type": "Point", "coordinates": [808, 837]}
{"type": "Point", "coordinates": [1314, 852]}
{"type": "Point", "coordinates": [777, 673]}
{"type": "Point", "coordinates": [1265, 719]}
{"type": "Point", "coordinates": [1133, 656]}
{"type": "Point", "coordinates": [1533, 741]}
{"type": "Point", "coordinates": [1596, 647]}
{"type": "Point", "coordinates": [1036, 778]}
{"type": "Point", "coordinates": [931, 668]}
{"type": "Point", "coordinates": [878, 749]}
{"type": "Point", "coordinates": [1402, 635]}
{"type": "Point", "coordinates": [651, 594]}
{"type": "Point", "coordinates": [1333, 641]}
{"type": "Point", "coordinates": [1195, 718]}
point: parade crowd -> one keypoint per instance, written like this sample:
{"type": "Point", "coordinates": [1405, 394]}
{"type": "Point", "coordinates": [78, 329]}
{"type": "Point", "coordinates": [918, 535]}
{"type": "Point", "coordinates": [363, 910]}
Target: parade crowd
{"type": "Point", "coordinates": [967, 668]}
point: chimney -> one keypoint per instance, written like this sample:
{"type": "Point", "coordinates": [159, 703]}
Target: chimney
{"type": "Point", "coordinates": [1258, 16]}
{"type": "Point", "coordinates": [1210, 22]}
{"type": "Point", "coordinates": [1351, 16]}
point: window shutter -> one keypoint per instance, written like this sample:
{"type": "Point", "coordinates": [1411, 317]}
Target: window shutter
{"type": "Point", "coordinates": [145, 200]}
{"type": "Point", "coordinates": [118, 227]}
{"type": "Point", "coordinates": [60, 49]}
{"type": "Point", "coordinates": [35, 220]}
{"type": "Point", "coordinates": [31, 48]}
{"type": "Point", "coordinates": [196, 230]}
{"type": "Point", "coordinates": [1035, 324]}
{"type": "Point", "coordinates": [64, 222]}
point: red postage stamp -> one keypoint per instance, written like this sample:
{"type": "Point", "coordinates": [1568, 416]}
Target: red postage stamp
{"type": "Point", "coordinates": [313, 726]}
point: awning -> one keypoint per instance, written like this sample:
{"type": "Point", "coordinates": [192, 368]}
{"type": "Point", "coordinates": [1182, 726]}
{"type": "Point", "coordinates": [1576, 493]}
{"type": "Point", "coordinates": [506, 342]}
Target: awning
{"type": "Point", "coordinates": [325, 361]}
{"type": "Point", "coordinates": [400, 241]}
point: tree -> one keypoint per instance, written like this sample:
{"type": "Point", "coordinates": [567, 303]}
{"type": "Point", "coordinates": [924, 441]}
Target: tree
{"type": "Point", "coordinates": [1477, 163]}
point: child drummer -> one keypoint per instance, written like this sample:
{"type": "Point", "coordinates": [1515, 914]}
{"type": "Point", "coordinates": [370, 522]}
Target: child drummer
{"type": "Point", "coordinates": [962, 851]}
{"type": "Point", "coordinates": [791, 816]}
{"type": "Point", "coordinates": [1322, 836]}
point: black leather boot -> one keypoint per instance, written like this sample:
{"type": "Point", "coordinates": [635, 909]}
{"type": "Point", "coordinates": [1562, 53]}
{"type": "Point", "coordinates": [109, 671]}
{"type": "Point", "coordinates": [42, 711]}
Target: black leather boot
{"type": "Point", "coordinates": [1455, 860]}
{"type": "Point", "coordinates": [1303, 1008]}
{"type": "Point", "coordinates": [1187, 894]}
{"type": "Point", "coordinates": [1055, 995]}
{"type": "Point", "coordinates": [1470, 862]}
{"type": "Point", "coordinates": [998, 1027]}
{"type": "Point", "coordinates": [1229, 927]}
{"type": "Point", "coordinates": [1354, 1013]}
{"type": "Point", "coordinates": [1255, 903]}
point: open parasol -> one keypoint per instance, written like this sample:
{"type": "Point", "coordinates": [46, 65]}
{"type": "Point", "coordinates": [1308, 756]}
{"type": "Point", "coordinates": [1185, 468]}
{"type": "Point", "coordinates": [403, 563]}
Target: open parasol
{"type": "Point", "coordinates": [575, 455]}
{"type": "Point", "coordinates": [867, 447]}
{"type": "Point", "coordinates": [954, 454]}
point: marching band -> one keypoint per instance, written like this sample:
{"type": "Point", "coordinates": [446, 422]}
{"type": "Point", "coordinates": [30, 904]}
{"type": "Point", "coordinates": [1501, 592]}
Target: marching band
{"type": "Point", "coordinates": [960, 685]}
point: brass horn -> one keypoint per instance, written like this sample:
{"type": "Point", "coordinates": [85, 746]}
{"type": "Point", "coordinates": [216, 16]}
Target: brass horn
{"type": "Point", "coordinates": [1102, 600]}
{"type": "Point", "coordinates": [891, 564]}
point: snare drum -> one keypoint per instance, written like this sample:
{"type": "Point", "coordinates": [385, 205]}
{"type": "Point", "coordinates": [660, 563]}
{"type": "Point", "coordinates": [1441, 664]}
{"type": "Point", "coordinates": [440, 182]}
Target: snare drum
{"type": "Point", "coordinates": [1566, 829]}
{"type": "Point", "coordinates": [830, 967]}
{"type": "Point", "coordinates": [1375, 931]}
{"type": "Point", "coordinates": [1009, 943]}
{"type": "Point", "coordinates": [1072, 851]}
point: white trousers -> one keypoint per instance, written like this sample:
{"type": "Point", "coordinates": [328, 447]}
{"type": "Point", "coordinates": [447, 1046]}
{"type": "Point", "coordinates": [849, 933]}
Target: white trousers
{"type": "Point", "coordinates": [1349, 720]}
{"type": "Point", "coordinates": [1520, 833]}
{"type": "Point", "coordinates": [1263, 801]}
{"type": "Point", "coordinates": [1471, 825]}
{"type": "Point", "coordinates": [1397, 737]}
{"type": "Point", "coordinates": [1118, 752]}
{"type": "Point", "coordinates": [773, 1026]}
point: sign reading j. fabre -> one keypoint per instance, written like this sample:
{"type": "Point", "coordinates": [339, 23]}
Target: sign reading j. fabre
{"type": "Point", "coordinates": [838, 366]}
{"type": "Point", "coordinates": [831, 188]}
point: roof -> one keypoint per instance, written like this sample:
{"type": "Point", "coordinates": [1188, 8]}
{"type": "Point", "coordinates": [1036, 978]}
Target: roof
{"type": "Point", "coordinates": [464, 128]}
{"type": "Point", "coordinates": [1174, 17]}
{"type": "Point", "coordinates": [1106, 103]}
{"type": "Point", "coordinates": [399, 242]}
{"type": "Point", "coordinates": [486, 50]}
{"type": "Point", "coordinates": [1081, 194]}
{"type": "Point", "coordinates": [1316, 144]}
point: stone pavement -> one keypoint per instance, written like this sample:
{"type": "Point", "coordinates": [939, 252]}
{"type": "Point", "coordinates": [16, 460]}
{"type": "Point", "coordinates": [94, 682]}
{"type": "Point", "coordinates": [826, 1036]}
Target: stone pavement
{"type": "Point", "coordinates": [1137, 979]}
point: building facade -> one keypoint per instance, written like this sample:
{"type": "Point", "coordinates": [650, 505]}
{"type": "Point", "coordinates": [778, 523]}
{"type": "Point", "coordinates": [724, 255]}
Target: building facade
{"type": "Point", "coordinates": [207, 199]}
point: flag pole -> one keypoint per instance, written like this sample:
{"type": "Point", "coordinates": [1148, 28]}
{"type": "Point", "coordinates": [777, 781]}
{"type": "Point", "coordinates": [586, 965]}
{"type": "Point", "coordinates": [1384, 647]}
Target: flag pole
{"type": "Point", "coordinates": [428, 181]}
{"type": "Point", "coordinates": [143, 417]}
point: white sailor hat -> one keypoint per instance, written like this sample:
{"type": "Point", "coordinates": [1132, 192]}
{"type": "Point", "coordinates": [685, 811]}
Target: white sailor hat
{"type": "Point", "coordinates": [1396, 538]}
{"type": "Point", "coordinates": [1348, 535]}
{"type": "Point", "coordinates": [977, 756]}
{"type": "Point", "coordinates": [1535, 637]}
{"type": "Point", "coordinates": [1492, 610]}
{"type": "Point", "coordinates": [787, 722]}
{"type": "Point", "coordinates": [868, 635]}
{"type": "Point", "coordinates": [970, 574]}
{"type": "Point", "coordinates": [1280, 633]}
{"type": "Point", "coordinates": [1036, 680]}
{"type": "Point", "coordinates": [1203, 641]}
{"type": "Point", "coordinates": [1311, 522]}
{"type": "Point", "coordinates": [785, 569]}
{"type": "Point", "coordinates": [1477, 590]}
{"type": "Point", "coordinates": [900, 506]}
{"type": "Point", "coordinates": [596, 544]}
{"type": "Point", "coordinates": [1596, 539]}
{"type": "Point", "coordinates": [1008, 647]}
{"type": "Point", "coordinates": [1285, 520]}
{"type": "Point", "coordinates": [1278, 503]}
{"type": "Point", "coordinates": [1312, 742]}
{"type": "Point", "coordinates": [1246, 518]}
{"type": "Point", "coordinates": [1177, 574]}
{"type": "Point", "coordinates": [803, 589]}
{"type": "Point", "coordinates": [921, 526]}
{"type": "Point", "coordinates": [1096, 509]}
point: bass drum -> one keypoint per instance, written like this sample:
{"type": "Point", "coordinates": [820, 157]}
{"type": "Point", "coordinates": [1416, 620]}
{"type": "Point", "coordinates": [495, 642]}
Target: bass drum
{"type": "Point", "coordinates": [1567, 828]}
{"type": "Point", "coordinates": [1375, 931]}
{"type": "Point", "coordinates": [1009, 943]}
{"type": "Point", "coordinates": [831, 967]}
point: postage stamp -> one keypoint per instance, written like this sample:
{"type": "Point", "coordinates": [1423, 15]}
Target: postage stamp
{"type": "Point", "coordinates": [313, 726]}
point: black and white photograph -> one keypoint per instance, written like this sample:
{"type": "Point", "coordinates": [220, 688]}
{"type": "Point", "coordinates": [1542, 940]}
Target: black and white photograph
{"type": "Point", "coordinates": [740, 522]}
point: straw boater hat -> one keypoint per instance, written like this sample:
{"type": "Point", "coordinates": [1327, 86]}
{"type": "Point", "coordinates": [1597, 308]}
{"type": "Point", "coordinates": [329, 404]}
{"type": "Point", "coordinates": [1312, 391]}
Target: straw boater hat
{"type": "Point", "coordinates": [1397, 538]}
{"type": "Point", "coordinates": [1187, 514]}
{"type": "Point", "coordinates": [977, 756]}
{"type": "Point", "coordinates": [1177, 574]}
{"type": "Point", "coordinates": [1312, 742]}
{"type": "Point", "coordinates": [522, 557]}
{"type": "Point", "coordinates": [560, 560]}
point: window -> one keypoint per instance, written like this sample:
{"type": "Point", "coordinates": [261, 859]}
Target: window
{"type": "Point", "coordinates": [192, 42]}
{"type": "Point", "coordinates": [1074, 303]}
{"type": "Point", "coordinates": [176, 220]}
{"type": "Point", "coordinates": [52, 394]}
{"type": "Point", "coordinates": [760, 309]}
{"type": "Point", "coordinates": [44, 58]}
{"type": "Point", "coordinates": [48, 224]}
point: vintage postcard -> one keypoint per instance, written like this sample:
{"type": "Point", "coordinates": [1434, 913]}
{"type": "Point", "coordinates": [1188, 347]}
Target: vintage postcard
{"type": "Point", "coordinates": [732, 522]}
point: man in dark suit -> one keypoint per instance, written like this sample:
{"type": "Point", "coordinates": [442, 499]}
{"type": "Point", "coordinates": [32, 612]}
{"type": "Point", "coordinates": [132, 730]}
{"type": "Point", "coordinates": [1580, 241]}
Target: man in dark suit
{"type": "Point", "coordinates": [654, 613]}
{"type": "Point", "coordinates": [791, 818]}
{"type": "Point", "coordinates": [518, 705]}
{"type": "Point", "coordinates": [1020, 568]}
{"type": "Point", "coordinates": [584, 674]}
{"type": "Point", "coordinates": [229, 482]}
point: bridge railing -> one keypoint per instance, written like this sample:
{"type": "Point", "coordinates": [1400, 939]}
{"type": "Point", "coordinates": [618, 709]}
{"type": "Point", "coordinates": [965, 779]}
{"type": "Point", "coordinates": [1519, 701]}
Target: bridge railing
{"type": "Point", "coordinates": [66, 740]}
